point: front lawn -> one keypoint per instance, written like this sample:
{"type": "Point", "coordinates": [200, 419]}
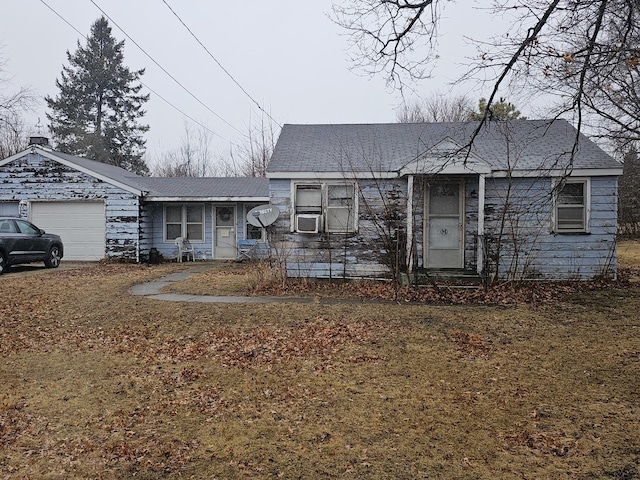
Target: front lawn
{"type": "Point", "coordinates": [96, 383]}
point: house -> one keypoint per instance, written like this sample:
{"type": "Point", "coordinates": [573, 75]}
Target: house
{"type": "Point", "coordinates": [520, 199]}
{"type": "Point", "coordinates": [102, 211]}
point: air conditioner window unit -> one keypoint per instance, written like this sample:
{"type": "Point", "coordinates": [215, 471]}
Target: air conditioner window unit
{"type": "Point", "coordinates": [307, 223]}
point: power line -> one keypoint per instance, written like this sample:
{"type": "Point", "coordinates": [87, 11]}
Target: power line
{"type": "Point", "coordinates": [144, 84]}
{"type": "Point", "coordinates": [64, 19]}
{"type": "Point", "coordinates": [220, 65]}
{"type": "Point", "coordinates": [164, 70]}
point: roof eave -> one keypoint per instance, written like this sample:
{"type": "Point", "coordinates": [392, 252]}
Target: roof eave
{"type": "Point", "coordinates": [330, 175]}
{"type": "Point", "coordinates": [576, 172]}
{"type": "Point", "coordinates": [195, 198]}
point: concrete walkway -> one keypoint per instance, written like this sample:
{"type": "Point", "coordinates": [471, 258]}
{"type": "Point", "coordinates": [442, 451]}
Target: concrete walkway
{"type": "Point", "coordinates": [153, 290]}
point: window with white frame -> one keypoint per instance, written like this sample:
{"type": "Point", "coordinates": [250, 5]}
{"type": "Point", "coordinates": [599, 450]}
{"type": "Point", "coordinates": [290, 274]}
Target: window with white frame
{"type": "Point", "coordinates": [571, 208]}
{"type": "Point", "coordinates": [328, 207]}
{"type": "Point", "coordinates": [186, 220]}
{"type": "Point", "coordinates": [251, 232]}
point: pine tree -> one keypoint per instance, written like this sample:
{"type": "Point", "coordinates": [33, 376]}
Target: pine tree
{"type": "Point", "coordinates": [96, 113]}
{"type": "Point", "coordinates": [501, 110]}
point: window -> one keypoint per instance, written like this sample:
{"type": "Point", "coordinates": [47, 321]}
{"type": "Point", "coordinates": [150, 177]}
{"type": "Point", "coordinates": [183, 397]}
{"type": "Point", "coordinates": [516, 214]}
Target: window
{"type": "Point", "coordinates": [251, 232]}
{"type": "Point", "coordinates": [572, 206]}
{"type": "Point", "coordinates": [184, 221]}
{"type": "Point", "coordinates": [339, 208]}
{"type": "Point", "coordinates": [27, 228]}
{"type": "Point", "coordinates": [6, 226]}
{"type": "Point", "coordinates": [329, 207]}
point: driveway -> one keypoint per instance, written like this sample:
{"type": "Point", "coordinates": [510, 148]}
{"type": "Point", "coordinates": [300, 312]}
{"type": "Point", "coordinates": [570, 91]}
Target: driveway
{"type": "Point", "coordinates": [39, 268]}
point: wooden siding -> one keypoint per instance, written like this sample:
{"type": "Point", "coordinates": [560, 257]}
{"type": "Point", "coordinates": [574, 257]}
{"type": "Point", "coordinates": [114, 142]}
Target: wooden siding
{"type": "Point", "coordinates": [153, 232]}
{"type": "Point", "coordinates": [520, 240]}
{"type": "Point", "coordinates": [336, 255]}
{"type": "Point", "coordinates": [34, 177]}
{"type": "Point", "coordinates": [530, 248]}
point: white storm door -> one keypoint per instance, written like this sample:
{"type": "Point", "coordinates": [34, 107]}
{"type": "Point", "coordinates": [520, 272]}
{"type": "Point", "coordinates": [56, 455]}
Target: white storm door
{"type": "Point", "coordinates": [445, 226]}
{"type": "Point", "coordinates": [225, 232]}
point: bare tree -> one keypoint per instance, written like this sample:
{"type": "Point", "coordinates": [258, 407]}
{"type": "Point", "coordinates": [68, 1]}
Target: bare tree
{"type": "Point", "coordinates": [13, 130]}
{"type": "Point", "coordinates": [436, 108]}
{"type": "Point", "coordinates": [584, 51]}
{"type": "Point", "coordinates": [192, 159]}
{"type": "Point", "coordinates": [629, 196]}
{"type": "Point", "coordinates": [252, 157]}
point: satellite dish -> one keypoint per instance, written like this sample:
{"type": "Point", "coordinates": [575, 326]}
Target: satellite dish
{"type": "Point", "coordinates": [263, 215]}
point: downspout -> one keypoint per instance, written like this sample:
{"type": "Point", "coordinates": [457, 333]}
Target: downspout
{"type": "Point", "coordinates": [409, 223]}
{"type": "Point", "coordinates": [481, 195]}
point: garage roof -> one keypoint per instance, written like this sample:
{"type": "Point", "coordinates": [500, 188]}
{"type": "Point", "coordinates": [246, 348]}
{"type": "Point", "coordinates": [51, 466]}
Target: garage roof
{"type": "Point", "coordinates": [162, 188]}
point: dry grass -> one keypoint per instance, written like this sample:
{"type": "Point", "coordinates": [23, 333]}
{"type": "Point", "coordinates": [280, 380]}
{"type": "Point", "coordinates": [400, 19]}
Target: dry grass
{"type": "Point", "coordinates": [96, 383]}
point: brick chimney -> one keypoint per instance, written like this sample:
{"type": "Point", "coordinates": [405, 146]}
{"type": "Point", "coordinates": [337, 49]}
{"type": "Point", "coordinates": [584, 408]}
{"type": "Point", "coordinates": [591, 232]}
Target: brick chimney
{"type": "Point", "coordinates": [39, 141]}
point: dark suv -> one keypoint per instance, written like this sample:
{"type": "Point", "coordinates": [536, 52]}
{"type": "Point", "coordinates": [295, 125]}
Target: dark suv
{"type": "Point", "coordinates": [23, 242]}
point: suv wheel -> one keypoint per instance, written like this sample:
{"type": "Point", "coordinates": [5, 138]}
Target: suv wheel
{"type": "Point", "coordinates": [3, 263]}
{"type": "Point", "coordinates": [53, 258]}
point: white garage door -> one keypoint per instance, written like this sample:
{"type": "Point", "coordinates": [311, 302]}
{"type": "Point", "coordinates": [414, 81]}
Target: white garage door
{"type": "Point", "coordinates": [80, 224]}
{"type": "Point", "coordinates": [9, 209]}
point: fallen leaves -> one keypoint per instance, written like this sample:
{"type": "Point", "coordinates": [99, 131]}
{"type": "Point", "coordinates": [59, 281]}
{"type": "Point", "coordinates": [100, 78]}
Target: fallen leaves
{"type": "Point", "coordinates": [511, 293]}
{"type": "Point", "coordinates": [471, 345]}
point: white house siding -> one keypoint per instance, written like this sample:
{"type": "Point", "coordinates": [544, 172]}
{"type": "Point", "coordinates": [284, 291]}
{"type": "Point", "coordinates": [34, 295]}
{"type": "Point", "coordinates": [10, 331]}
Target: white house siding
{"type": "Point", "coordinates": [530, 249]}
{"type": "Point", "coordinates": [36, 178]}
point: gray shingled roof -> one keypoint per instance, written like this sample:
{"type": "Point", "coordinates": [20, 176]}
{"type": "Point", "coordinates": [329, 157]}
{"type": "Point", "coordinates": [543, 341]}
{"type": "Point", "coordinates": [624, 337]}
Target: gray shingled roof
{"type": "Point", "coordinates": [222, 187]}
{"type": "Point", "coordinates": [110, 171]}
{"type": "Point", "coordinates": [208, 187]}
{"type": "Point", "coordinates": [532, 144]}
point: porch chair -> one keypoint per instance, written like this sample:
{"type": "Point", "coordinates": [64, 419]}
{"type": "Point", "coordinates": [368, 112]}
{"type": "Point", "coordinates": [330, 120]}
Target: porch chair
{"type": "Point", "coordinates": [185, 248]}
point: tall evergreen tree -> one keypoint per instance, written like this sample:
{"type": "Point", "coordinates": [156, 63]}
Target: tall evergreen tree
{"type": "Point", "coordinates": [97, 112]}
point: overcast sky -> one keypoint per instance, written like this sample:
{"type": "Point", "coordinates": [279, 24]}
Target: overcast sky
{"type": "Point", "coordinates": [286, 54]}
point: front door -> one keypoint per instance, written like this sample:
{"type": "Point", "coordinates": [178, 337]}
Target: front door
{"type": "Point", "coordinates": [225, 232]}
{"type": "Point", "coordinates": [444, 225]}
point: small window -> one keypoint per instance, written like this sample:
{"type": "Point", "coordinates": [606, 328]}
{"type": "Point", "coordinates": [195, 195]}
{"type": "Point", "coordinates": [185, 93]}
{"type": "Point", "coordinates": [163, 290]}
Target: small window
{"type": "Point", "coordinates": [251, 231]}
{"type": "Point", "coordinates": [571, 208]}
{"type": "Point", "coordinates": [309, 199]}
{"type": "Point", "coordinates": [330, 207]}
{"type": "Point", "coordinates": [184, 221]}
{"type": "Point", "coordinates": [339, 208]}
{"type": "Point", "coordinates": [173, 221]}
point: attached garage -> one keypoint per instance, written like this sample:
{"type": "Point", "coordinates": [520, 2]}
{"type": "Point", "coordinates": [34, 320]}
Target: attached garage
{"type": "Point", "coordinates": [93, 206]}
{"type": "Point", "coordinates": [81, 224]}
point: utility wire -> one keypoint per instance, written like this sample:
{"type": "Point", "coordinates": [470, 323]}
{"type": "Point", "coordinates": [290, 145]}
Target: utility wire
{"type": "Point", "coordinates": [164, 70]}
{"type": "Point", "coordinates": [144, 84]}
{"type": "Point", "coordinates": [220, 65]}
